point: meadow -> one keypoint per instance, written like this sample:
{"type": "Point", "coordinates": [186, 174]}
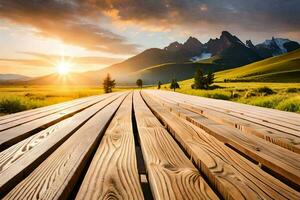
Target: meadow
{"type": "Point", "coordinates": [281, 96]}
{"type": "Point", "coordinates": [19, 98]}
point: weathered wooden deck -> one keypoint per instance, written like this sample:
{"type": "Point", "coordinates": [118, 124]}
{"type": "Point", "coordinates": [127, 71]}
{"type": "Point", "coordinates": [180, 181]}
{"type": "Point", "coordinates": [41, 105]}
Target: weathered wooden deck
{"type": "Point", "coordinates": [150, 144]}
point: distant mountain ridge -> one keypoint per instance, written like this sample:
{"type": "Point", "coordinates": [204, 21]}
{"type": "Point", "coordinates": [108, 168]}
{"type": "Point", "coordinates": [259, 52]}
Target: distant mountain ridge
{"type": "Point", "coordinates": [13, 77]}
{"type": "Point", "coordinates": [180, 60]}
{"type": "Point", "coordinates": [273, 47]}
{"type": "Point", "coordinates": [228, 50]}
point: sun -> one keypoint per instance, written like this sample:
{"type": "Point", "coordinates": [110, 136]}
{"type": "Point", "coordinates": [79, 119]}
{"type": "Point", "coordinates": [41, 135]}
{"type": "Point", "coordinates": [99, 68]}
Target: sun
{"type": "Point", "coordinates": [63, 68]}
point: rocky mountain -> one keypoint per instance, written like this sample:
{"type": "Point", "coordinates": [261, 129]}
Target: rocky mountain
{"type": "Point", "coordinates": [180, 60]}
{"type": "Point", "coordinates": [229, 49]}
{"type": "Point", "coordinates": [218, 45]}
{"type": "Point", "coordinates": [274, 47]}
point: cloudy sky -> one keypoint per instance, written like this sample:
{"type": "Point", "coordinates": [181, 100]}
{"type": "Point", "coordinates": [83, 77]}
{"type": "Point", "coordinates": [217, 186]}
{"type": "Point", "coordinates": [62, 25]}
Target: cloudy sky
{"type": "Point", "coordinates": [35, 35]}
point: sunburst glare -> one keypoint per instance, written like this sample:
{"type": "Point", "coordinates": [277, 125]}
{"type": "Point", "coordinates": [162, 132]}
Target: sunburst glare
{"type": "Point", "coordinates": [63, 68]}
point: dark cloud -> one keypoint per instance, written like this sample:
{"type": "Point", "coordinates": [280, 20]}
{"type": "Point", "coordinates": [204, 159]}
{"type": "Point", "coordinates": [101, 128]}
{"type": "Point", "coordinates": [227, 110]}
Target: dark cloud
{"type": "Point", "coordinates": [254, 15]}
{"type": "Point", "coordinates": [77, 21]}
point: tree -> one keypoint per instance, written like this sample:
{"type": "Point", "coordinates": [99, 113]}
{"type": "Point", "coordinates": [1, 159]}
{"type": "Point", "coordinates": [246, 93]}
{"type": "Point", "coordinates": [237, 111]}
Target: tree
{"type": "Point", "coordinates": [199, 80]}
{"type": "Point", "coordinates": [174, 85]}
{"type": "Point", "coordinates": [108, 84]}
{"type": "Point", "coordinates": [210, 78]}
{"type": "Point", "coordinates": [139, 83]}
{"type": "Point", "coordinates": [158, 85]}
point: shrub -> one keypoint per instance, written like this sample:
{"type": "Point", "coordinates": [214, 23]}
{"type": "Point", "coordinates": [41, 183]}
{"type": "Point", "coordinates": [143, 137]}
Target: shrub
{"type": "Point", "coordinates": [267, 101]}
{"type": "Point", "coordinates": [250, 94]}
{"type": "Point", "coordinates": [265, 91]}
{"type": "Point", "coordinates": [292, 90]}
{"type": "Point", "coordinates": [291, 105]}
{"type": "Point", "coordinates": [12, 105]}
{"type": "Point", "coordinates": [217, 95]}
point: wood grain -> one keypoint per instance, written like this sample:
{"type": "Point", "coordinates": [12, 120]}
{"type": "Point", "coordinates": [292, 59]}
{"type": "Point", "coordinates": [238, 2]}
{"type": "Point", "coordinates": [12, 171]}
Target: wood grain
{"type": "Point", "coordinates": [280, 160]}
{"type": "Point", "coordinates": [113, 172]}
{"type": "Point", "coordinates": [23, 120]}
{"type": "Point", "coordinates": [232, 175]}
{"type": "Point", "coordinates": [171, 174]}
{"type": "Point", "coordinates": [18, 133]}
{"type": "Point", "coordinates": [20, 159]}
{"type": "Point", "coordinates": [282, 139]}
{"type": "Point", "coordinates": [56, 176]}
{"type": "Point", "coordinates": [264, 116]}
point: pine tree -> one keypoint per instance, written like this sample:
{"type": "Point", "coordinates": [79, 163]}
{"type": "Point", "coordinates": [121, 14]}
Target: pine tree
{"type": "Point", "coordinates": [108, 84]}
{"type": "Point", "coordinates": [158, 85]}
{"type": "Point", "coordinates": [139, 83]}
{"type": "Point", "coordinates": [210, 78]}
{"type": "Point", "coordinates": [174, 85]}
{"type": "Point", "coordinates": [199, 80]}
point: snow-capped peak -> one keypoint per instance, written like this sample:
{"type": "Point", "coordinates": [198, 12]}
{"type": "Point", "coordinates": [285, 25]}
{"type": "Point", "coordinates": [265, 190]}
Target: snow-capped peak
{"type": "Point", "coordinates": [202, 56]}
{"type": "Point", "coordinates": [277, 42]}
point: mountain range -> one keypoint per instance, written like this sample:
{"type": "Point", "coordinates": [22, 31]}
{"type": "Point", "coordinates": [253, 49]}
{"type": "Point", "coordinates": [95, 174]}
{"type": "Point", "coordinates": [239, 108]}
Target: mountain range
{"type": "Point", "coordinates": [178, 60]}
{"type": "Point", "coordinates": [13, 77]}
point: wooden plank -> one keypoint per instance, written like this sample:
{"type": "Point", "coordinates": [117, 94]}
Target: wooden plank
{"type": "Point", "coordinates": [280, 160]}
{"type": "Point", "coordinates": [23, 120]}
{"type": "Point", "coordinates": [27, 113]}
{"type": "Point", "coordinates": [267, 117]}
{"type": "Point", "coordinates": [114, 162]}
{"type": "Point", "coordinates": [282, 139]}
{"type": "Point", "coordinates": [264, 114]}
{"type": "Point", "coordinates": [57, 175]}
{"type": "Point", "coordinates": [232, 175]}
{"type": "Point", "coordinates": [282, 116]}
{"type": "Point", "coordinates": [20, 159]}
{"type": "Point", "coordinates": [217, 106]}
{"type": "Point", "coordinates": [171, 174]}
{"type": "Point", "coordinates": [18, 133]}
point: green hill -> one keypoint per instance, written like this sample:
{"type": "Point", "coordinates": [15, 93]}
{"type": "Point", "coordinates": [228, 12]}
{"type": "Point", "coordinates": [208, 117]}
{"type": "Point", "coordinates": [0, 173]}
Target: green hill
{"type": "Point", "coordinates": [283, 68]}
{"type": "Point", "coordinates": [166, 72]}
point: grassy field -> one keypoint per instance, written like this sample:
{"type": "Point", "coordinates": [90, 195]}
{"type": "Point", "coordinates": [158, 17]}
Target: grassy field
{"type": "Point", "coordinates": [283, 68]}
{"type": "Point", "coordinates": [281, 96]}
{"type": "Point", "coordinates": [272, 83]}
{"type": "Point", "coordinates": [19, 98]}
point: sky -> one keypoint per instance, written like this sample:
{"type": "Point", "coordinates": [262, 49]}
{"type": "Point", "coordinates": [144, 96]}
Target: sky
{"type": "Point", "coordinates": [37, 35]}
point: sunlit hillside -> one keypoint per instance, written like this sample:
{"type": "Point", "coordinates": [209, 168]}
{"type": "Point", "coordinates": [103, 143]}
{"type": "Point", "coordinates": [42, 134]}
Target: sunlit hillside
{"type": "Point", "coordinates": [283, 68]}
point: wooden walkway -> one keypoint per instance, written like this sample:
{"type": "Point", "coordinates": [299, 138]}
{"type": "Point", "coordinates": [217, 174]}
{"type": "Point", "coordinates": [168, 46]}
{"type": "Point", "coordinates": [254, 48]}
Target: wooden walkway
{"type": "Point", "coordinates": [150, 144]}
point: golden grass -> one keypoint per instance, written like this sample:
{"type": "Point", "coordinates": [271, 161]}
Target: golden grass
{"type": "Point", "coordinates": [286, 95]}
{"type": "Point", "coordinates": [19, 98]}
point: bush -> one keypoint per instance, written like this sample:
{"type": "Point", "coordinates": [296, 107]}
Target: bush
{"type": "Point", "coordinates": [291, 105]}
{"type": "Point", "coordinates": [292, 90]}
{"type": "Point", "coordinates": [265, 91]}
{"type": "Point", "coordinates": [267, 101]}
{"type": "Point", "coordinates": [217, 96]}
{"type": "Point", "coordinates": [250, 94]}
{"type": "Point", "coordinates": [12, 105]}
